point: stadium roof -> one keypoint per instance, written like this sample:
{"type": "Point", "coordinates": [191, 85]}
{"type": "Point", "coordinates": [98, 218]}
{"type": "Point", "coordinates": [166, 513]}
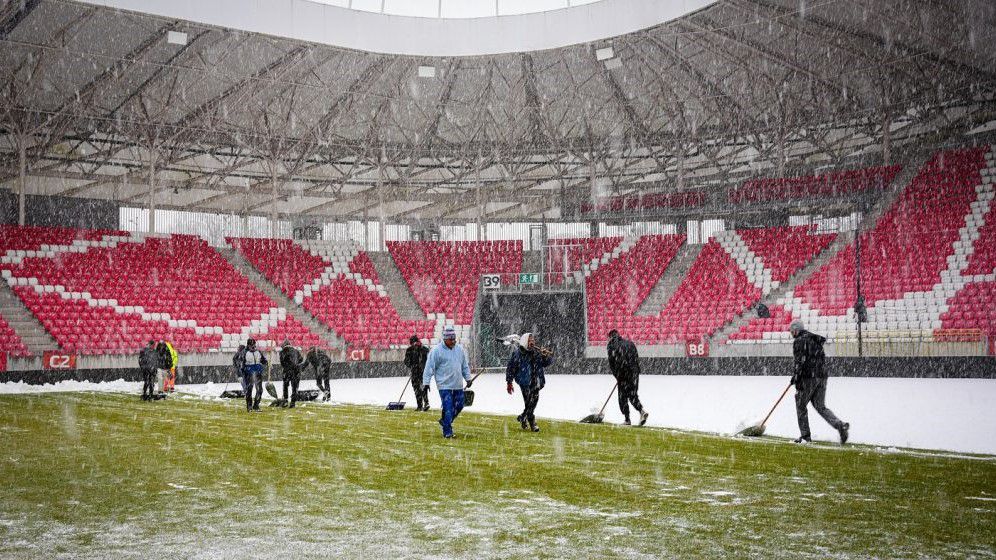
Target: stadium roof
{"type": "Point", "coordinates": [226, 120]}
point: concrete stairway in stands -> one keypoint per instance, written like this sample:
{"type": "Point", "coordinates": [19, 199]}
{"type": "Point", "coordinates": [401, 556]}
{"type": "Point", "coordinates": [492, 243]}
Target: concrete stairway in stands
{"type": "Point", "coordinates": [24, 323]}
{"type": "Point", "coordinates": [662, 292]}
{"type": "Point", "coordinates": [397, 289]}
{"type": "Point", "coordinates": [281, 299]}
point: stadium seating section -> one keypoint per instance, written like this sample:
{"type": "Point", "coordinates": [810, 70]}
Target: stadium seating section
{"type": "Point", "coordinates": [444, 276]}
{"type": "Point", "coordinates": [338, 284]}
{"type": "Point", "coordinates": [567, 255]}
{"type": "Point", "coordinates": [10, 342]}
{"type": "Point", "coordinates": [924, 264]}
{"type": "Point", "coordinates": [617, 289]}
{"type": "Point", "coordinates": [928, 264]}
{"type": "Point", "coordinates": [816, 186]}
{"type": "Point", "coordinates": [112, 295]}
{"type": "Point", "coordinates": [645, 201]}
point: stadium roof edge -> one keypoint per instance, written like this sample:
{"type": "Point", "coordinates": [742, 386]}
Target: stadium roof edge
{"type": "Point", "coordinates": [315, 22]}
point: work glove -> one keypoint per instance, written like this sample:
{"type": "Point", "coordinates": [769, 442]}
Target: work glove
{"type": "Point", "coordinates": [425, 388]}
{"type": "Point", "coordinates": [510, 389]}
{"type": "Point", "coordinates": [469, 383]}
{"type": "Point", "coordinates": [795, 378]}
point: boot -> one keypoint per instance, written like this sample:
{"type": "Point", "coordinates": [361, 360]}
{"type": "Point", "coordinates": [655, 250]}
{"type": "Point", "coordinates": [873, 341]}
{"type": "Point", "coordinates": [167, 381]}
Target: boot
{"type": "Point", "coordinates": [843, 431]}
{"type": "Point", "coordinates": [643, 417]}
{"type": "Point", "coordinates": [533, 427]}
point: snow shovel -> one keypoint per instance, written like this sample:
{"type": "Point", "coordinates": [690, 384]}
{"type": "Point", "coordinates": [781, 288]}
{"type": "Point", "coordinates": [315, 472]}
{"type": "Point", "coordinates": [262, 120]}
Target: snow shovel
{"type": "Point", "coordinates": [270, 389]}
{"type": "Point", "coordinates": [399, 404]}
{"type": "Point", "coordinates": [597, 418]}
{"type": "Point", "coordinates": [468, 396]}
{"type": "Point", "coordinates": [758, 430]}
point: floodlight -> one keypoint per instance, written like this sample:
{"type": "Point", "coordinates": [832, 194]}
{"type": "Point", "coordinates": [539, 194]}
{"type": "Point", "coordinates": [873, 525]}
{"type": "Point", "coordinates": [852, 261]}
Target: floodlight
{"type": "Point", "coordinates": [604, 53]}
{"type": "Point", "coordinates": [426, 71]}
{"type": "Point", "coordinates": [613, 63]}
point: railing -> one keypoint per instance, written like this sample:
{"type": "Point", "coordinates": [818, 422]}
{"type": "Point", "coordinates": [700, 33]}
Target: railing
{"type": "Point", "coordinates": [913, 343]}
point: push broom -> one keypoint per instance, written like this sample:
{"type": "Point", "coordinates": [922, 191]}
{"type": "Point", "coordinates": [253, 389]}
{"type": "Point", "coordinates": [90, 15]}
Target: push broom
{"type": "Point", "coordinates": [399, 404]}
{"type": "Point", "coordinates": [758, 430]}
{"type": "Point", "coordinates": [597, 418]}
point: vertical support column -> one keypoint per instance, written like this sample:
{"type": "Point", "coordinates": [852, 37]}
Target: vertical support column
{"type": "Point", "coordinates": [482, 232]}
{"type": "Point", "coordinates": [781, 153]}
{"type": "Point", "coordinates": [681, 167]}
{"type": "Point", "coordinates": [152, 191]}
{"type": "Point", "coordinates": [22, 154]}
{"type": "Point", "coordinates": [273, 199]}
{"type": "Point", "coordinates": [381, 244]}
{"type": "Point", "coordinates": [886, 138]}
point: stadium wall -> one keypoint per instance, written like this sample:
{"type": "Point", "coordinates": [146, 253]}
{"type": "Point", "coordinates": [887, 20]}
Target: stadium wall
{"type": "Point", "coordinates": [962, 367]}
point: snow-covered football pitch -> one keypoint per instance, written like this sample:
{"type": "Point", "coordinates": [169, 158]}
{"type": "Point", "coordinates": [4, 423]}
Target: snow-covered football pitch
{"type": "Point", "coordinates": [102, 474]}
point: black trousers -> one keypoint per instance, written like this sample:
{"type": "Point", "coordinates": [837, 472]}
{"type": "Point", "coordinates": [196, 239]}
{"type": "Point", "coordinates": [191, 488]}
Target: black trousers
{"type": "Point", "coordinates": [530, 398]}
{"type": "Point", "coordinates": [253, 383]}
{"type": "Point", "coordinates": [628, 394]}
{"type": "Point", "coordinates": [421, 393]}
{"type": "Point", "coordinates": [148, 383]}
{"type": "Point", "coordinates": [323, 383]}
{"type": "Point", "coordinates": [292, 381]}
{"type": "Point", "coordinates": [813, 390]}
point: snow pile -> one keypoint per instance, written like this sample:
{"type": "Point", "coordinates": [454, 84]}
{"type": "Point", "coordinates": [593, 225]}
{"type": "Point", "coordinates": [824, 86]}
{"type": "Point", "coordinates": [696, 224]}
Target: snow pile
{"type": "Point", "coordinates": [939, 414]}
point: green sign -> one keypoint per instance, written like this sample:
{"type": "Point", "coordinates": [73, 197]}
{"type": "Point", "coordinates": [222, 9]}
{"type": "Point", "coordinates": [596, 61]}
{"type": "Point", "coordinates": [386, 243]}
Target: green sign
{"type": "Point", "coordinates": [529, 278]}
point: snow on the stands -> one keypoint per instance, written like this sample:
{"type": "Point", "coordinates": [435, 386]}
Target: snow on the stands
{"type": "Point", "coordinates": [939, 414]}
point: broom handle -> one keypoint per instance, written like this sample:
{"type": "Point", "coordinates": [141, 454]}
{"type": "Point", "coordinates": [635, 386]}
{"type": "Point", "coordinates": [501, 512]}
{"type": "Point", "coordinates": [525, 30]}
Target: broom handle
{"type": "Point", "coordinates": [405, 388]}
{"type": "Point", "coordinates": [600, 412]}
{"type": "Point", "coordinates": [778, 402]}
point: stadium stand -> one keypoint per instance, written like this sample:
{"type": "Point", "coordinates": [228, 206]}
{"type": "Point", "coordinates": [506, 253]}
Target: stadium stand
{"type": "Point", "coordinates": [112, 295]}
{"type": "Point", "coordinates": [567, 255]}
{"type": "Point", "coordinates": [617, 288]}
{"type": "Point", "coordinates": [932, 244]}
{"type": "Point", "coordinates": [338, 284]}
{"type": "Point", "coordinates": [814, 186]}
{"type": "Point", "coordinates": [645, 201]}
{"type": "Point", "coordinates": [444, 276]}
{"type": "Point", "coordinates": [10, 342]}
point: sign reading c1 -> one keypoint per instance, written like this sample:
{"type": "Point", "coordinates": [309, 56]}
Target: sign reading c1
{"type": "Point", "coordinates": [358, 355]}
{"type": "Point", "coordinates": [56, 360]}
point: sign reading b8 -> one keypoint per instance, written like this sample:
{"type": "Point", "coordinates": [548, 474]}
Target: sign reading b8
{"type": "Point", "coordinates": [697, 349]}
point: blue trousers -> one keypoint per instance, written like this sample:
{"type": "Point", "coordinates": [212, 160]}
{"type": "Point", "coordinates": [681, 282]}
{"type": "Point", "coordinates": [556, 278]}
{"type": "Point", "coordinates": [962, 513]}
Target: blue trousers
{"type": "Point", "coordinates": [452, 405]}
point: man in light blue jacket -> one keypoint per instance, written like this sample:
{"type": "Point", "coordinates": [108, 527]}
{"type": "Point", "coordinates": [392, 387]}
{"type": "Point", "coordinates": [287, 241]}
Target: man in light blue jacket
{"type": "Point", "coordinates": [447, 362]}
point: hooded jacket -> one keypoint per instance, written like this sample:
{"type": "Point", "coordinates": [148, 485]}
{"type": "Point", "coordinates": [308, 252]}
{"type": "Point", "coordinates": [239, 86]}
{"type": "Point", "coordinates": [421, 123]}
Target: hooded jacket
{"type": "Point", "coordinates": [809, 357]}
{"type": "Point", "coordinates": [624, 361]}
{"type": "Point", "coordinates": [525, 367]}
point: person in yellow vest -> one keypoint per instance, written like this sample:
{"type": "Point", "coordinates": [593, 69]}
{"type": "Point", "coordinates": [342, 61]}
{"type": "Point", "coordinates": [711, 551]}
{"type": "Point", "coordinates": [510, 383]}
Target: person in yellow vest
{"type": "Point", "coordinates": [169, 359]}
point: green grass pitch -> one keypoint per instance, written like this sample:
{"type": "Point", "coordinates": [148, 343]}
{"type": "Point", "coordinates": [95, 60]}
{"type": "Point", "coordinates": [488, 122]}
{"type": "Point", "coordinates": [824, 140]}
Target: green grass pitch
{"type": "Point", "coordinates": [108, 476]}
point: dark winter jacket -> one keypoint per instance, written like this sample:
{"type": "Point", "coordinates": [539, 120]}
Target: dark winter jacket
{"type": "Point", "coordinates": [165, 356]}
{"type": "Point", "coordinates": [527, 368]}
{"type": "Point", "coordinates": [291, 361]}
{"type": "Point", "coordinates": [624, 361]}
{"type": "Point", "coordinates": [809, 357]}
{"type": "Point", "coordinates": [239, 359]}
{"type": "Point", "coordinates": [322, 363]}
{"type": "Point", "coordinates": [415, 357]}
{"type": "Point", "coordinates": [148, 359]}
